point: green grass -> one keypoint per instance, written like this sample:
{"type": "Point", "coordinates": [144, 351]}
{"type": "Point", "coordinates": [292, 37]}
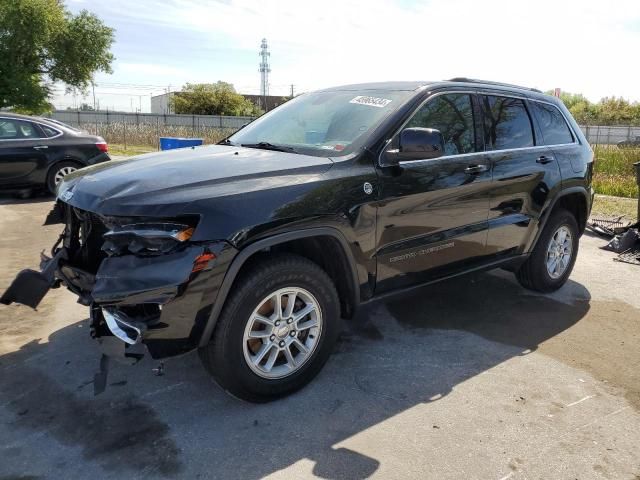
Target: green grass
{"type": "Point", "coordinates": [130, 150]}
{"type": "Point", "coordinates": [614, 173]}
{"type": "Point", "coordinates": [606, 206]}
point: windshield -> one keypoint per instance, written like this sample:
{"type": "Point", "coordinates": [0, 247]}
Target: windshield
{"type": "Point", "coordinates": [327, 123]}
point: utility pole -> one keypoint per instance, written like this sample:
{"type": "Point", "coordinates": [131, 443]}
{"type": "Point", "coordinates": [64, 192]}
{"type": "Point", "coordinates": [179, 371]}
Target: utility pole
{"type": "Point", "coordinates": [292, 85]}
{"type": "Point", "coordinates": [93, 87]}
{"type": "Point", "coordinates": [264, 72]}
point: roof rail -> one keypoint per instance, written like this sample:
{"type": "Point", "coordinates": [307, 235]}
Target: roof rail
{"type": "Point", "coordinates": [501, 84]}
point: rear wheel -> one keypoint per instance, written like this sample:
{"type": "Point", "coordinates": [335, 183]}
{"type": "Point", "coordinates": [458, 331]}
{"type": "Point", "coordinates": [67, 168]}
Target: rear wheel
{"type": "Point", "coordinates": [57, 174]}
{"type": "Point", "coordinates": [554, 255]}
{"type": "Point", "coordinates": [276, 330]}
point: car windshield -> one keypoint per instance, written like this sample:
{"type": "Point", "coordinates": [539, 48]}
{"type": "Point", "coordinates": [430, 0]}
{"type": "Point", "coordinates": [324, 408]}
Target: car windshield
{"type": "Point", "coordinates": [329, 123]}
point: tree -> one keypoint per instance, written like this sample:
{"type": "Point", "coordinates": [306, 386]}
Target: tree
{"type": "Point", "coordinates": [84, 107]}
{"type": "Point", "coordinates": [41, 42]}
{"type": "Point", "coordinates": [608, 111]}
{"type": "Point", "coordinates": [218, 98]}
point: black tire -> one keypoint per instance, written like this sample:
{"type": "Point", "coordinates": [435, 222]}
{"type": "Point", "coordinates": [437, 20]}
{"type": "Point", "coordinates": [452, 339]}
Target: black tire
{"type": "Point", "coordinates": [224, 356]}
{"type": "Point", "coordinates": [53, 171]}
{"type": "Point", "coordinates": [533, 274]}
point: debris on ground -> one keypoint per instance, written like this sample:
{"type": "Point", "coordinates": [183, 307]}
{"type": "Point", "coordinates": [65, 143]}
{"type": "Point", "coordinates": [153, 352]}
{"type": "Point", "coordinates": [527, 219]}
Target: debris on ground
{"type": "Point", "coordinates": [608, 227]}
{"type": "Point", "coordinates": [625, 237]}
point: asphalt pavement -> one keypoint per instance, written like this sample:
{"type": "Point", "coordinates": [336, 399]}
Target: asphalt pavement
{"type": "Point", "coordinates": [470, 378]}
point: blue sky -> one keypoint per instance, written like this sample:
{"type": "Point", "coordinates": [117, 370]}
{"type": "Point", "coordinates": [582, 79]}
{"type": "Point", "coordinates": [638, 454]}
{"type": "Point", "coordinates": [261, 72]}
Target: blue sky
{"type": "Point", "coordinates": [583, 46]}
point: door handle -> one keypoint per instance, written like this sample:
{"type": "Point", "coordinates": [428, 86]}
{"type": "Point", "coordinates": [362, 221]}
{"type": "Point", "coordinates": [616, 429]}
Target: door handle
{"type": "Point", "coordinates": [41, 147]}
{"type": "Point", "coordinates": [473, 169]}
{"type": "Point", "coordinates": [543, 159]}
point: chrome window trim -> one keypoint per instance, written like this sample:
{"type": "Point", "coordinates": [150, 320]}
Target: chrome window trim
{"type": "Point", "coordinates": [485, 153]}
{"type": "Point", "coordinates": [60, 133]}
{"type": "Point", "coordinates": [566, 121]}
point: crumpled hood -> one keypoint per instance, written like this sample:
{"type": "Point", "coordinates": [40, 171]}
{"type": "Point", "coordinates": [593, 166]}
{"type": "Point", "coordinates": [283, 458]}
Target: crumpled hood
{"type": "Point", "coordinates": [186, 181]}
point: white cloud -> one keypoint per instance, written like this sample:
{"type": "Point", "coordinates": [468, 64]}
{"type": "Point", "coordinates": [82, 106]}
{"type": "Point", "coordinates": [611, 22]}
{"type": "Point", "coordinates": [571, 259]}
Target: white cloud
{"type": "Point", "coordinates": [585, 46]}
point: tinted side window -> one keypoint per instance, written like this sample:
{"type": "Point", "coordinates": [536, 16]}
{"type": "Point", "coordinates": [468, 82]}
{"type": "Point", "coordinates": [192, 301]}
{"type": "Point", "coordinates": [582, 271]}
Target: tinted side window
{"type": "Point", "coordinates": [506, 123]}
{"type": "Point", "coordinates": [17, 129]}
{"type": "Point", "coordinates": [555, 130]}
{"type": "Point", "coordinates": [8, 130]}
{"type": "Point", "coordinates": [453, 115]}
{"type": "Point", "coordinates": [48, 131]}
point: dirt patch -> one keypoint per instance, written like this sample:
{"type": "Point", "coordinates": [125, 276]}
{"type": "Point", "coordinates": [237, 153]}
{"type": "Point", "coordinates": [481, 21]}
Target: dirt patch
{"type": "Point", "coordinates": [604, 343]}
{"type": "Point", "coordinates": [599, 337]}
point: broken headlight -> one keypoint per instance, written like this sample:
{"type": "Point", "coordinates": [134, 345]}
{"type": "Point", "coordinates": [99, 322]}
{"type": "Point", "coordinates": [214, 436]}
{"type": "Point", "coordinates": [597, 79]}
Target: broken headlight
{"type": "Point", "coordinates": [145, 238]}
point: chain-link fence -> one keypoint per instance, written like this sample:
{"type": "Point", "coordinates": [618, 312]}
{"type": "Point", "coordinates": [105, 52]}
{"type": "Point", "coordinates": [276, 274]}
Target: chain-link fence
{"type": "Point", "coordinates": [610, 135]}
{"type": "Point", "coordinates": [146, 128]}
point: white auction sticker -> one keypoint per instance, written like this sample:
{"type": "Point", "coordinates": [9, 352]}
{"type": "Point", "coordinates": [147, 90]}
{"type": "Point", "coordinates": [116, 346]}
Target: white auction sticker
{"type": "Point", "coordinates": [371, 101]}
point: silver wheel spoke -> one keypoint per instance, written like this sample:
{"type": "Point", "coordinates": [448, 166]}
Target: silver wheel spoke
{"type": "Point", "coordinates": [277, 307]}
{"type": "Point", "coordinates": [303, 312]}
{"type": "Point", "coordinates": [300, 346]}
{"type": "Point", "coordinates": [272, 359]}
{"type": "Point", "coordinates": [308, 324]}
{"type": "Point", "coordinates": [291, 362]}
{"type": "Point", "coordinates": [262, 319]}
{"type": "Point", "coordinates": [263, 351]}
{"type": "Point", "coordinates": [291, 303]}
{"type": "Point", "coordinates": [259, 333]}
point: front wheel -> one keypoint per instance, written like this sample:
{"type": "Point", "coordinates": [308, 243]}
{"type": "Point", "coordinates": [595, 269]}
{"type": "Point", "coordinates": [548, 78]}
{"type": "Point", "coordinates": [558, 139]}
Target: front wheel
{"type": "Point", "coordinates": [276, 330]}
{"type": "Point", "coordinates": [554, 255]}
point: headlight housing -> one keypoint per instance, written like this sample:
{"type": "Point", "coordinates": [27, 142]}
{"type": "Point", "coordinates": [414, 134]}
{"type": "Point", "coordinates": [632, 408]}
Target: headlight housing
{"type": "Point", "coordinates": [146, 238]}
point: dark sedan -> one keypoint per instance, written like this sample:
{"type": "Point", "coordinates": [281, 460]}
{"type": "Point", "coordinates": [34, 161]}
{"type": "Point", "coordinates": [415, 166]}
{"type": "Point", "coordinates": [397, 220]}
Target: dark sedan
{"type": "Point", "coordinates": [38, 152]}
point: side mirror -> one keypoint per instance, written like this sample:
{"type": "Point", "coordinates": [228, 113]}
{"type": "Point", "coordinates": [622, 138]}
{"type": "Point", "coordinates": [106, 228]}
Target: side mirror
{"type": "Point", "coordinates": [416, 144]}
{"type": "Point", "coordinates": [420, 143]}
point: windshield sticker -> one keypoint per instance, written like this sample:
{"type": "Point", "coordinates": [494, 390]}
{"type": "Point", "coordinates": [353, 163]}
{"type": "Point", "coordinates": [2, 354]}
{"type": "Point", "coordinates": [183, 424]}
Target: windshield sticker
{"type": "Point", "coordinates": [370, 101]}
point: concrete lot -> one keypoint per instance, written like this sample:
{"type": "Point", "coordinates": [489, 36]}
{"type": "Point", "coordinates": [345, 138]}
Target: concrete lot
{"type": "Point", "coordinates": [471, 378]}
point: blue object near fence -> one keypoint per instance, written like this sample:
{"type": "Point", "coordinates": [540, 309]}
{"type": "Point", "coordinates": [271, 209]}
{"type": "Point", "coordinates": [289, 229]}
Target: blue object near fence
{"type": "Point", "coordinates": [169, 143]}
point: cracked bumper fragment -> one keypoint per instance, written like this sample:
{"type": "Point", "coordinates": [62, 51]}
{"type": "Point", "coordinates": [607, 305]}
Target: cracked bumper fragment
{"type": "Point", "coordinates": [129, 279]}
{"type": "Point", "coordinates": [29, 287]}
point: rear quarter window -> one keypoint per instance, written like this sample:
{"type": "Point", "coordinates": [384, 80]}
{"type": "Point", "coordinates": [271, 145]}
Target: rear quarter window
{"type": "Point", "coordinates": [553, 125]}
{"type": "Point", "coordinates": [48, 131]}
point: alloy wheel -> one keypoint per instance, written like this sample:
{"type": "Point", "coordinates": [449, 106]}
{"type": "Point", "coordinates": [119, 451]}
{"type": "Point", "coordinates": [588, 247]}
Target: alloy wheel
{"type": "Point", "coordinates": [559, 252]}
{"type": "Point", "coordinates": [61, 173]}
{"type": "Point", "coordinates": [282, 333]}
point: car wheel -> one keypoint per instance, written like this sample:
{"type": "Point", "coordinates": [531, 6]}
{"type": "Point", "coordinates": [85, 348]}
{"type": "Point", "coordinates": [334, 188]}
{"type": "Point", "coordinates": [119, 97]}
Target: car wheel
{"type": "Point", "coordinates": [276, 330]}
{"type": "Point", "coordinates": [58, 172]}
{"type": "Point", "coordinates": [554, 255]}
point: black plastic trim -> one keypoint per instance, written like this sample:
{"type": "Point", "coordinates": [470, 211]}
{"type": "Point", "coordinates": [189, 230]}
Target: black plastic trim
{"type": "Point", "coordinates": [249, 250]}
{"type": "Point", "coordinates": [547, 213]}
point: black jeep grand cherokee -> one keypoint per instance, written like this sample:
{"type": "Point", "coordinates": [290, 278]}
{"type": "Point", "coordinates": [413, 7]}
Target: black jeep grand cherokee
{"type": "Point", "coordinates": [252, 250]}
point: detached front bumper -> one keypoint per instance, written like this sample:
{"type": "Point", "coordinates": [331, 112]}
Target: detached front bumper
{"type": "Point", "coordinates": [162, 302]}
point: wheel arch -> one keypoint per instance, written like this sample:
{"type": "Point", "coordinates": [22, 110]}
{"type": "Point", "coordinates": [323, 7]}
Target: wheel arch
{"type": "Point", "coordinates": [325, 246]}
{"type": "Point", "coordinates": [576, 200]}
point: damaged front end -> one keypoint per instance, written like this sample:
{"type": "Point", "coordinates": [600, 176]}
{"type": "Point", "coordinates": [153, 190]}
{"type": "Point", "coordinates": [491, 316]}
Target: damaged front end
{"type": "Point", "coordinates": [148, 286]}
